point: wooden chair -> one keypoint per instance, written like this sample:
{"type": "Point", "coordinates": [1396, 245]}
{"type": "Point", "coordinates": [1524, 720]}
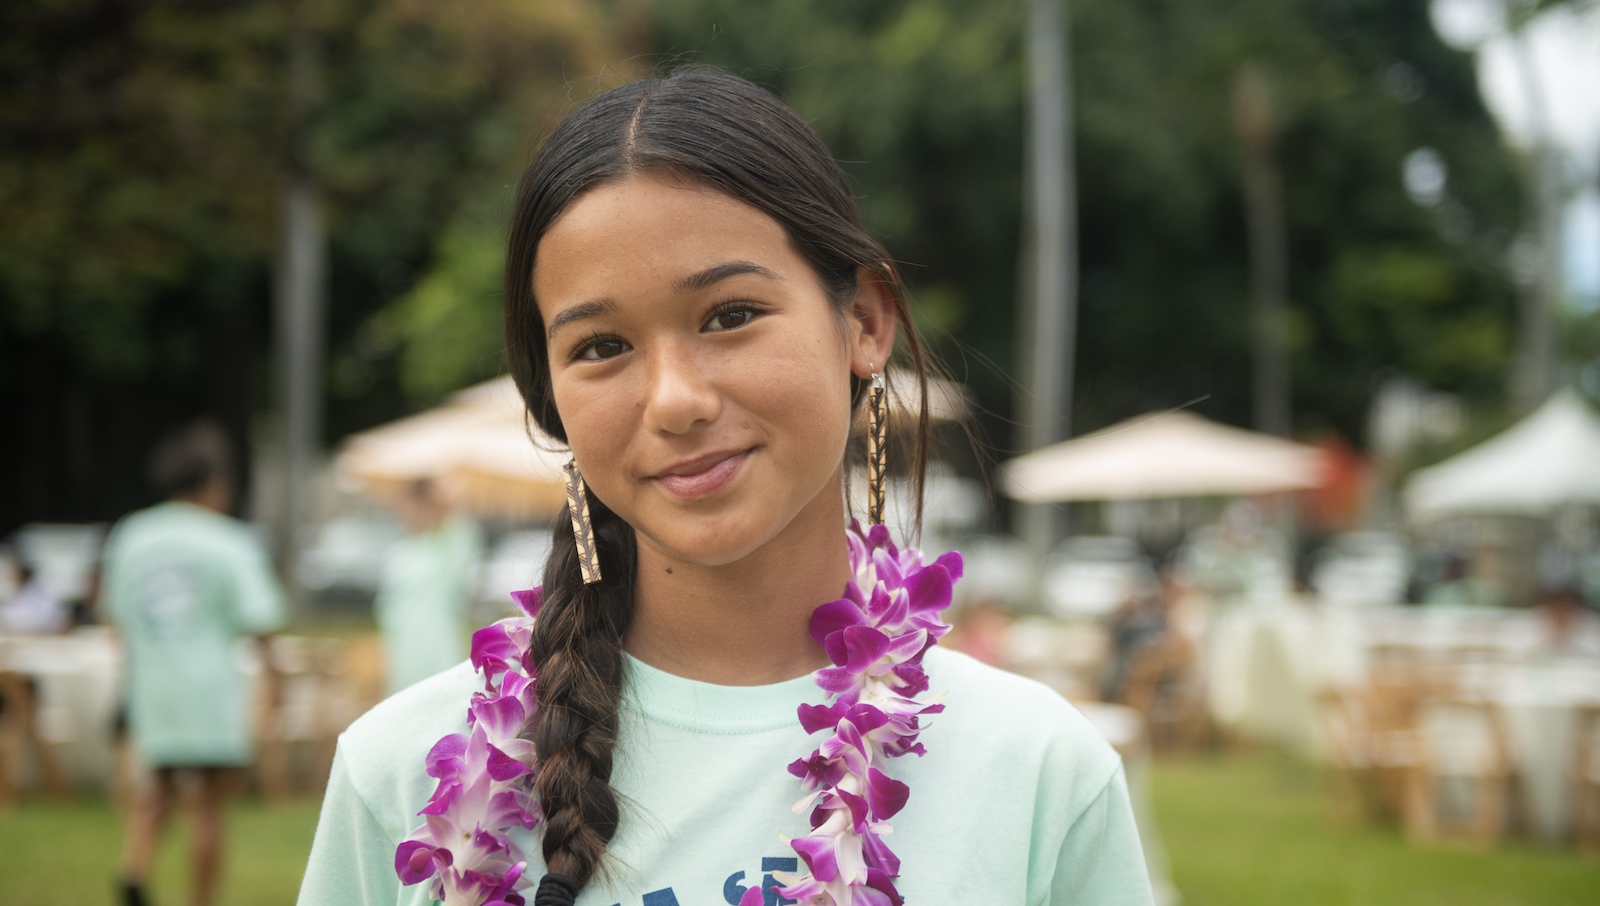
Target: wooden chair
{"type": "Point", "coordinates": [1165, 686]}
{"type": "Point", "coordinates": [1462, 757]}
{"type": "Point", "coordinates": [1372, 750]}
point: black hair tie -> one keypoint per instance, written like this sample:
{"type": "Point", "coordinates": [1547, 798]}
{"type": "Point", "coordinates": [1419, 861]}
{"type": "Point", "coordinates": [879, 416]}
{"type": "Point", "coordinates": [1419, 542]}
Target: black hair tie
{"type": "Point", "coordinates": [556, 890]}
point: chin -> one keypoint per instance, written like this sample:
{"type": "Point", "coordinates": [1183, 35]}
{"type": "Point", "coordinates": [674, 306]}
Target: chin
{"type": "Point", "coordinates": [716, 542]}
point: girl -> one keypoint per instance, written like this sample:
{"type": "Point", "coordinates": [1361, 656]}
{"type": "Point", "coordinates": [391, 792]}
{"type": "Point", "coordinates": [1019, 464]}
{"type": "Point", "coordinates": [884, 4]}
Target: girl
{"type": "Point", "coordinates": [694, 307]}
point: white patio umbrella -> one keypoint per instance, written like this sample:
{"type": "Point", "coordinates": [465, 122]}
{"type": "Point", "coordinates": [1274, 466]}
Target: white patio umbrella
{"type": "Point", "coordinates": [1166, 454]}
{"type": "Point", "coordinates": [478, 444]}
{"type": "Point", "coordinates": [1550, 458]}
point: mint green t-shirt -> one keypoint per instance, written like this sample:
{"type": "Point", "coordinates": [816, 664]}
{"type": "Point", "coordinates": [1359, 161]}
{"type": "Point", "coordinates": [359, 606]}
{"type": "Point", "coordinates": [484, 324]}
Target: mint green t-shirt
{"type": "Point", "coordinates": [182, 584]}
{"type": "Point", "coordinates": [1019, 801]}
{"type": "Point", "coordinates": [422, 603]}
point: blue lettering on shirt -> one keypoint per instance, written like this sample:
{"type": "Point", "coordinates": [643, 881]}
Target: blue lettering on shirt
{"type": "Point", "coordinates": [733, 891]}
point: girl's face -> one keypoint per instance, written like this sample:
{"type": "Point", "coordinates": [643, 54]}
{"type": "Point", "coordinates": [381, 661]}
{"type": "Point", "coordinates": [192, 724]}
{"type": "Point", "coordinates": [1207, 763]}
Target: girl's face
{"type": "Point", "coordinates": [702, 376]}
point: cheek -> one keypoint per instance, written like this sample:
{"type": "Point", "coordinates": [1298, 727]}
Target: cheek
{"type": "Point", "coordinates": [598, 417]}
{"type": "Point", "coordinates": [806, 397]}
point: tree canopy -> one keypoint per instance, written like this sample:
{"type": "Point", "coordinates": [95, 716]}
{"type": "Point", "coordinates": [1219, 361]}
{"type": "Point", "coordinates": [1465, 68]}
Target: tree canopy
{"type": "Point", "coordinates": [923, 100]}
{"type": "Point", "coordinates": [147, 145]}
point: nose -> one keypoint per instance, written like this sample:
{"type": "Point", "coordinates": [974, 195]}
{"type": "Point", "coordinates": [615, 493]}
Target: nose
{"type": "Point", "coordinates": [679, 394]}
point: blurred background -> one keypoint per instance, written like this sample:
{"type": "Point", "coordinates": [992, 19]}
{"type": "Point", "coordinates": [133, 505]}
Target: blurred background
{"type": "Point", "coordinates": [1272, 344]}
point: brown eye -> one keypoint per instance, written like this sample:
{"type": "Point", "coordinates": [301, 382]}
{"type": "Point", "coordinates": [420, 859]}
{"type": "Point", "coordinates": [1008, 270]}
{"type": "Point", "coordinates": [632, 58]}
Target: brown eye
{"type": "Point", "coordinates": [731, 319]}
{"type": "Point", "coordinates": [602, 349]}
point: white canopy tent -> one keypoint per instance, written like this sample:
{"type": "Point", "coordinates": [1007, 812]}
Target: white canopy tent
{"type": "Point", "coordinates": [1550, 458]}
{"type": "Point", "coordinates": [1166, 454]}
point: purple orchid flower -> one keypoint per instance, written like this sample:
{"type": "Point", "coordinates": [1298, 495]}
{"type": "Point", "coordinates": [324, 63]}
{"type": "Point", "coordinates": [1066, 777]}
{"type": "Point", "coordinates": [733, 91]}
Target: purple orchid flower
{"type": "Point", "coordinates": [875, 637]}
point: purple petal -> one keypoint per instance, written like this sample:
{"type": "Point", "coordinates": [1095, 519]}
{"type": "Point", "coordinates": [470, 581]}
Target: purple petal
{"type": "Point", "coordinates": [834, 616]}
{"type": "Point", "coordinates": [819, 856]}
{"type": "Point", "coordinates": [820, 717]}
{"type": "Point", "coordinates": [413, 862]}
{"type": "Point", "coordinates": [865, 646]}
{"type": "Point", "coordinates": [888, 795]}
{"type": "Point", "coordinates": [493, 644]}
{"type": "Point", "coordinates": [503, 767]}
{"type": "Point", "coordinates": [878, 537]}
{"type": "Point", "coordinates": [866, 718]}
{"type": "Point", "coordinates": [904, 648]}
{"type": "Point", "coordinates": [502, 717]}
{"type": "Point", "coordinates": [529, 601]}
{"type": "Point", "coordinates": [888, 568]}
{"type": "Point", "coordinates": [854, 594]}
{"type": "Point", "coordinates": [914, 678]}
{"type": "Point", "coordinates": [445, 756]}
{"type": "Point", "coordinates": [930, 589]}
{"type": "Point", "coordinates": [880, 882]}
{"type": "Point", "coordinates": [953, 564]}
{"type": "Point", "coordinates": [508, 807]}
{"type": "Point", "coordinates": [896, 611]}
{"type": "Point", "coordinates": [835, 679]}
{"type": "Point", "coordinates": [804, 889]}
{"type": "Point", "coordinates": [859, 811]}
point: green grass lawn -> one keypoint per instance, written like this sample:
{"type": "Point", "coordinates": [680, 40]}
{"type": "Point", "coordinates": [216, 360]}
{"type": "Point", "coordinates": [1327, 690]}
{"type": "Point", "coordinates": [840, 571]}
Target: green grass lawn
{"type": "Point", "coordinates": [64, 854]}
{"type": "Point", "coordinates": [1240, 829]}
{"type": "Point", "coordinates": [1256, 828]}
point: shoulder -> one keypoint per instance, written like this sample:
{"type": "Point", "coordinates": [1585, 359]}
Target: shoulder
{"type": "Point", "coordinates": [992, 713]}
{"type": "Point", "coordinates": [386, 749]}
{"type": "Point", "coordinates": [130, 527]}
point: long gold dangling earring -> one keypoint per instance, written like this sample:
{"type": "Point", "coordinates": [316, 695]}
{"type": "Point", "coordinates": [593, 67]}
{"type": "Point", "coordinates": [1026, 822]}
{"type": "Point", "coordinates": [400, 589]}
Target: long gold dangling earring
{"type": "Point", "coordinates": [877, 447]}
{"type": "Point", "coordinates": [582, 528]}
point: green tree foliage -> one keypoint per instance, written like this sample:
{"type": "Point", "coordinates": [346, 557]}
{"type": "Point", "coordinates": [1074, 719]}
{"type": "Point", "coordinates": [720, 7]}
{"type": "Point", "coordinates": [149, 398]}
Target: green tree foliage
{"type": "Point", "coordinates": [922, 101]}
{"type": "Point", "coordinates": [146, 146]}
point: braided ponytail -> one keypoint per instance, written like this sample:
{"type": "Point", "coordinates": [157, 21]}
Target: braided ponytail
{"type": "Point", "coordinates": [577, 654]}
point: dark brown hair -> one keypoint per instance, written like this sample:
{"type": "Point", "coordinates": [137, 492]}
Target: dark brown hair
{"type": "Point", "coordinates": [726, 134]}
{"type": "Point", "coordinates": [185, 459]}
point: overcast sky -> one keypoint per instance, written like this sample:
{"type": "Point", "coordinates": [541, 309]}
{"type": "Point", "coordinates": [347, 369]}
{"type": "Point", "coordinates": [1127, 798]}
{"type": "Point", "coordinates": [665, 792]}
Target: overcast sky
{"type": "Point", "coordinates": [1564, 52]}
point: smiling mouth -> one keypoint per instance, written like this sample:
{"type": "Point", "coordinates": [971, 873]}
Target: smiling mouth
{"type": "Point", "coordinates": [703, 475]}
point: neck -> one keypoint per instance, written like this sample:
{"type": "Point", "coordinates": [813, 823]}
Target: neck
{"type": "Point", "coordinates": [745, 623]}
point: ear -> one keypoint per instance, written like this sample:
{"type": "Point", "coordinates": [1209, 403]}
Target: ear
{"type": "Point", "coordinates": [875, 320]}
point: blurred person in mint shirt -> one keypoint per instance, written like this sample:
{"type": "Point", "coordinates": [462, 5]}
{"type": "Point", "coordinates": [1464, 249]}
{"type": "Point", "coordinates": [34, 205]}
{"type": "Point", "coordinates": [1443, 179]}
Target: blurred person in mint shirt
{"type": "Point", "coordinates": [427, 584]}
{"type": "Point", "coordinates": [184, 582]}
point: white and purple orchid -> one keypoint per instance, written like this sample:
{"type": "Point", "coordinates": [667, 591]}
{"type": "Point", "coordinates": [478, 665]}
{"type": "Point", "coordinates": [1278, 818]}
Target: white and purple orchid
{"type": "Point", "coordinates": [875, 636]}
{"type": "Point", "coordinates": [485, 780]}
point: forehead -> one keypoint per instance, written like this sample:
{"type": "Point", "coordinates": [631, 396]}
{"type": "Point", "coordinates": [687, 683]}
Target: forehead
{"type": "Point", "coordinates": [647, 232]}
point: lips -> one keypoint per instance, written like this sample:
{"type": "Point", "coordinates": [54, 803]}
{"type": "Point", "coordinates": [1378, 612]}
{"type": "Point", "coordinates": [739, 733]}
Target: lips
{"type": "Point", "coordinates": [703, 475]}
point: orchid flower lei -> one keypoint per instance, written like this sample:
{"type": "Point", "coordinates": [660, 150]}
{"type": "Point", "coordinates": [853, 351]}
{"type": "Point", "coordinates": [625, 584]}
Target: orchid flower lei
{"type": "Point", "coordinates": [875, 637]}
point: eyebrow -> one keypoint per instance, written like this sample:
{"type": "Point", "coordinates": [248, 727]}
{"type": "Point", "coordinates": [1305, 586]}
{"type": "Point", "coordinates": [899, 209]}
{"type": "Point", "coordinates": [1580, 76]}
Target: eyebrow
{"type": "Point", "coordinates": [578, 313]}
{"type": "Point", "coordinates": [712, 275]}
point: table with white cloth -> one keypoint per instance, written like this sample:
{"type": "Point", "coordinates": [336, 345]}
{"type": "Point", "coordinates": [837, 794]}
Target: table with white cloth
{"type": "Point", "coordinates": [77, 682]}
{"type": "Point", "coordinates": [1539, 705]}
